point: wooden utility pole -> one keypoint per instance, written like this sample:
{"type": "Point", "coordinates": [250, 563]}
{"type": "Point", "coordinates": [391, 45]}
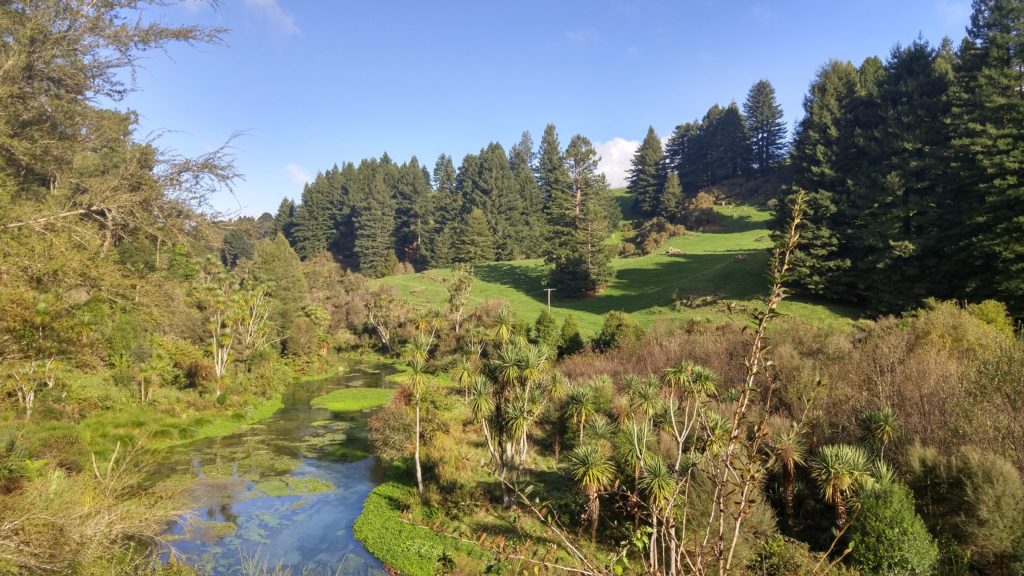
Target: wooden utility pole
{"type": "Point", "coordinates": [549, 291]}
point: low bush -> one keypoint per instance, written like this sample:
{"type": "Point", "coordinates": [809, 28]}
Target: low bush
{"type": "Point", "coordinates": [653, 234]}
{"type": "Point", "coordinates": [974, 499]}
{"type": "Point", "coordinates": [618, 330]}
{"type": "Point", "coordinates": [888, 537]}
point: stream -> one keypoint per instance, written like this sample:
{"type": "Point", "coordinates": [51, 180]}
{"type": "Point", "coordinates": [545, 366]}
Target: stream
{"type": "Point", "coordinates": [283, 493]}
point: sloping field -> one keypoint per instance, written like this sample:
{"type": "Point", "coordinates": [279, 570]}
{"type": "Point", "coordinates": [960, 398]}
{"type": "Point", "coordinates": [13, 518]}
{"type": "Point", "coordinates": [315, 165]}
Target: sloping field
{"type": "Point", "coordinates": [719, 274]}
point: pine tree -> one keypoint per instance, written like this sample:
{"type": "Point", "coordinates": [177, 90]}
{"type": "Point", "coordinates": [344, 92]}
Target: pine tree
{"type": "Point", "coordinates": [989, 146]}
{"type": "Point", "coordinates": [412, 204]}
{"type": "Point", "coordinates": [467, 183]}
{"type": "Point", "coordinates": [343, 247]}
{"type": "Point", "coordinates": [317, 217]}
{"type": "Point", "coordinates": [284, 220]}
{"type": "Point", "coordinates": [499, 201]}
{"type": "Point", "coordinates": [896, 171]}
{"type": "Point", "coordinates": [545, 330]}
{"type": "Point", "coordinates": [766, 126]}
{"type": "Point", "coordinates": [530, 198]}
{"type": "Point", "coordinates": [475, 241]}
{"type": "Point", "coordinates": [818, 262]}
{"type": "Point", "coordinates": [681, 154]}
{"type": "Point", "coordinates": [582, 265]}
{"type": "Point", "coordinates": [670, 205]}
{"type": "Point", "coordinates": [646, 177]}
{"type": "Point", "coordinates": [375, 224]}
{"type": "Point", "coordinates": [556, 189]}
{"type": "Point", "coordinates": [444, 210]}
{"type": "Point", "coordinates": [729, 144]}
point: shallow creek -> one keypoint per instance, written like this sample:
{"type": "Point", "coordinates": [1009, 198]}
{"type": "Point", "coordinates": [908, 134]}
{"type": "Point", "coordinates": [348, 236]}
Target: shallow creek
{"type": "Point", "coordinates": [283, 493]}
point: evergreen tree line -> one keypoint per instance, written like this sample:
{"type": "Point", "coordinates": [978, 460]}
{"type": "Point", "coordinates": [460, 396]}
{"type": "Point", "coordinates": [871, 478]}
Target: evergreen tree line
{"type": "Point", "coordinates": [496, 205]}
{"type": "Point", "coordinates": [912, 168]}
{"type": "Point", "coordinates": [727, 143]}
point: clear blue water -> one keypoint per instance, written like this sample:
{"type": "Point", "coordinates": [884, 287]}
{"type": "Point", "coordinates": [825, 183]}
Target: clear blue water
{"type": "Point", "coordinates": [284, 493]}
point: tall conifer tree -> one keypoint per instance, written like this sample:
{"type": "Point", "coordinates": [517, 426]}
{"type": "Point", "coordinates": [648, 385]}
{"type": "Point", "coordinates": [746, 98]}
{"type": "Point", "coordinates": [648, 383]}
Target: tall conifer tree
{"type": "Point", "coordinates": [766, 126]}
{"type": "Point", "coordinates": [582, 264]}
{"type": "Point", "coordinates": [375, 223]}
{"type": "Point", "coordinates": [646, 174]}
{"type": "Point", "coordinates": [989, 149]}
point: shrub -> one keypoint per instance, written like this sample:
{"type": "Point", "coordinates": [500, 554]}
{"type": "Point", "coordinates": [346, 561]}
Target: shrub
{"type": "Point", "coordinates": [779, 556]}
{"type": "Point", "coordinates": [618, 330]}
{"type": "Point", "coordinates": [974, 499]}
{"type": "Point", "coordinates": [888, 536]}
{"type": "Point", "coordinates": [654, 233]}
{"type": "Point", "coordinates": [391, 430]}
{"type": "Point", "coordinates": [993, 313]}
{"type": "Point", "coordinates": [569, 340]}
{"type": "Point", "coordinates": [699, 211]}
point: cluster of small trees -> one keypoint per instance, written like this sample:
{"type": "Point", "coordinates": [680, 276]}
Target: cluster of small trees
{"type": "Point", "coordinates": [379, 215]}
{"type": "Point", "coordinates": [913, 172]}
{"type": "Point", "coordinates": [727, 143]}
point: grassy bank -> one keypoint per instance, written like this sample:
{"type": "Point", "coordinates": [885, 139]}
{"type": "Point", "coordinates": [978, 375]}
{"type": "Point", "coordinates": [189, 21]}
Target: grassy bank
{"type": "Point", "coordinates": [719, 275]}
{"type": "Point", "coordinates": [408, 548]}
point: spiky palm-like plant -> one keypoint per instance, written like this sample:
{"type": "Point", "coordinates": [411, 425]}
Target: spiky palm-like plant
{"type": "Point", "coordinates": [592, 467]}
{"type": "Point", "coordinates": [841, 470]}
{"type": "Point", "coordinates": [599, 429]}
{"type": "Point", "coordinates": [418, 347]}
{"type": "Point", "coordinates": [504, 325]}
{"type": "Point", "coordinates": [702, 382]}
{"type": "Point", "coordinates": [646, 400]}
{"type": "Point", "coordinates": [463, 373]}
{"type": "Point", "coordinates": [878, 428]}
{"type": "Point", "coordinates": [417, 383]}
{"type": "Point", "coordinates": [581, 404]}
{"type": "Point", "coordinates": [789, 450]}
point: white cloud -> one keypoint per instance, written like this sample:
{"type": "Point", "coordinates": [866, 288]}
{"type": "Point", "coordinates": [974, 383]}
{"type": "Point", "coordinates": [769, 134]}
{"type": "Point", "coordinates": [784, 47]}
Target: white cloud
{"type": "Point", "coordinates": [281, 21]}
{"type": "Point", "coordinates": [298, 174]}
{"type": "Point", "coordinates": [616, 156]}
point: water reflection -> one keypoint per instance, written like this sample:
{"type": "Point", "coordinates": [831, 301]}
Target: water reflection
{"type": "Point", "coordinates": [287, 491]}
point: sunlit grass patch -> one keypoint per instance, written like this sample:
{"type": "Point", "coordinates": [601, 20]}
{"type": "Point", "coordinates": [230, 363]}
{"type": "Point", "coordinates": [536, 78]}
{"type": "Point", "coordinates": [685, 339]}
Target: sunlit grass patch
{"type": "Point", "coordinates": [353, 399]}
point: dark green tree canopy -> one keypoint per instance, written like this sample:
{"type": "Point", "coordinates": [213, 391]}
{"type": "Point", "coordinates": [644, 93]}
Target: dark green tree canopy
{"type": "Point", "coordinates": [646, 174]}
{"type": "Point", "coordinates": [766, 126]}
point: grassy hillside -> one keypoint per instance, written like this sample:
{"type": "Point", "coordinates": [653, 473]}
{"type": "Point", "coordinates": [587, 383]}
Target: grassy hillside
{"type": "Point", "coordinates": [728, 265]}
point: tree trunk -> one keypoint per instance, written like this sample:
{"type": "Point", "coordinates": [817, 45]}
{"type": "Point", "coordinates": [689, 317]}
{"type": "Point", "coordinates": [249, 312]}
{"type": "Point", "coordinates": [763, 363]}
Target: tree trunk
{"type": "Point", "coordinates": [788, 481]}
{"type": "Point", "coordinates": [840, 513]}
{"type": "Point", "coordinates": [595, 510]}
{"type": "Point", "coordinates": [416, 455]}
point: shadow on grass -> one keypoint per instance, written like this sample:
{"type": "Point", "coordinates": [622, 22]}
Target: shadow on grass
{"type": "Point", "coordinates": [735, 223]}
{"type": "Point", "coordinates": [527, 279]}
{"type": "Point", "coordinates": [728, 275]}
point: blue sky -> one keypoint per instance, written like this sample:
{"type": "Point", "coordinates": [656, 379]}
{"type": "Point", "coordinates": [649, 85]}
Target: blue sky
{"type": "Point", "coordinates": [314, 83]}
